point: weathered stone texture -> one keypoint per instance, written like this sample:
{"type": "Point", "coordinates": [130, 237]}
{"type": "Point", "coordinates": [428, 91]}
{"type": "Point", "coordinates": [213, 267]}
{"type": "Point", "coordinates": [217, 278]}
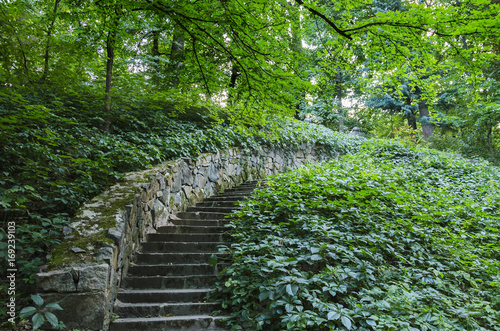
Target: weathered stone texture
{"type": "Point", "coordinates": [93, 278]}
{"type": "Point", "coordinates": [88, 310]}
{"type": "Point", "coordinates": [148, 200]}
{"type": "Point", "coordinates": [56, 281]}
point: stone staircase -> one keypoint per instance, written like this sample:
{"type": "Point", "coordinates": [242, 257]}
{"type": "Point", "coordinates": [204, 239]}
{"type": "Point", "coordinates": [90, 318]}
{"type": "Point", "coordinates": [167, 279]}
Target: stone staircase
{"type": "Point", "coordinates": [166, 288]}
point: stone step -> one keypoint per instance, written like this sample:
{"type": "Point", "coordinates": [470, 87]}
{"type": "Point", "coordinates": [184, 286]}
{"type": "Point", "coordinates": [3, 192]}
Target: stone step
{"type": "Point", "coordinates": [252, 183]}
{"type": "Point", "coordinates": [239, 189]}
{"type": "Point", "coordinates": [167, 286]}
{"type": "Point", "coordinates": [134, 310]}
{"type": "Point", "coordinates": [181, 247]}
{"type": "Point", "coordinates": [226, 210]}
{"type": "Point", "coordinates": [235, 194]}
{"type": "Point", "coordinates": [162, 258]}
{"type": "Point", "coordinates": [188, 237]}
{"type": "Point", "coordinates": [202, 215]}
{"type": "Point", "coordinates": [245, 186]}
{"type": "Point", "coordinates": [199, 222]}
{"type": "Point", "coordinates": [172, 270]}
{"type": "Point", "coordinates": [185, 323]}
{"type": "Point", "coordinates": [241, 197]}
{"type": "Point", "coordinates": [219, 203]}
{"type": "Point", "coordinates": [162, 296]}
{"type": "Point", "coordinates": [169, 282]}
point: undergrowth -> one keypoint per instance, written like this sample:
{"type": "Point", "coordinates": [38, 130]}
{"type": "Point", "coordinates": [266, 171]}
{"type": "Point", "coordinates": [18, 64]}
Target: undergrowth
{"type": "Point", "coordinates": [389, 238]}
{"type": "Point", "coordinates": [55, 157]}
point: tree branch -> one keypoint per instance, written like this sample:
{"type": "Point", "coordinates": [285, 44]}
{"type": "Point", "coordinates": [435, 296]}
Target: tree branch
{"type": "Point", "coordinates": [326, 19]}
{"type": "Point", "coordinates": [199, 66]}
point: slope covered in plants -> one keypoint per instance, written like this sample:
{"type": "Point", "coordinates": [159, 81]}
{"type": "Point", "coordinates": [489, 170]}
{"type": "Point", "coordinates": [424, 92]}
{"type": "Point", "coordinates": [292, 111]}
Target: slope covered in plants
{"type": "Point", "coordinates": [55, 156]}
{"type": "Point", "coordinates": [389, 238]}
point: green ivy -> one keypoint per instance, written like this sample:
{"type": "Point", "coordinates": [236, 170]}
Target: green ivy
{"type": "Point", "coordinates": [55, 157]}
{"type": "Point", "coordinates": [389, 238]}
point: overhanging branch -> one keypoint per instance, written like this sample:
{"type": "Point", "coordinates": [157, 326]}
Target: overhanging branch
{"type": "Point", "coordinates": [326, 19]}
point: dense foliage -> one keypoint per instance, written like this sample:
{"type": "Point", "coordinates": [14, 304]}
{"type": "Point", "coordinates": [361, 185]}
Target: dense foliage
{"type": "Point", "coordinates": [91, 89]}
{"type": "Point", "coordinates": [434, 63]}
{"type": "Point", "coordinates": [55, 158]}
{"type": "Point", "coordinates": [389, 238]}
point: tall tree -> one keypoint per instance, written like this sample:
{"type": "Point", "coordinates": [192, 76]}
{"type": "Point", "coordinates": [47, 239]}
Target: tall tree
{"type": "Point", "coordinates": [47, 44]}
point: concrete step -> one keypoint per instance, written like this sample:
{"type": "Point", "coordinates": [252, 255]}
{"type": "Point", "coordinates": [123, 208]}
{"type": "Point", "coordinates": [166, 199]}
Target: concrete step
{"type": "Point", "coordinates": [185, 323]}
{"type": "Point", "coordinates": [163, 258]}
{"type": "Point", "coordinates": [172, 270]}
{"type": "Point", "coordinates": [169, 282]}
{"type": "Point", "coordinates": [162, 296]}
{"type": "Point", "coordinates": [188, 237]}
{"type": "Point", "coordinates": [181, 247]}
{"type": "Point", "coordinates": [134, 310]}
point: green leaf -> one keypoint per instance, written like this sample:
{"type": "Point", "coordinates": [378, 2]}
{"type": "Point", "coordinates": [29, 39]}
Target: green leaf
{"type": "Point", "coordinates": [27, 312]}
{"type": "Point", "coordinates": [51, 318]}
{"type": "Point", "coordinates": [264, 295]}
{"type": "Point", "coordinates": [54, 306]}
{"type": "Point", "coordinates": [315, 250]}
{"type": "Point", "coordinates": [38, 320]}
{"type": "Point", "coordinates": [37, 299]}
{"type": "Point", "coordinates": [292, 289]}
{"type": "Point", "coordinates": [347, 322]}
{"type": "Point", "coordinates": [316, 257]}
{"type": "Point", "coordinates": [333, 316]}
{"type": "Point", "coordinates": [213, 260]}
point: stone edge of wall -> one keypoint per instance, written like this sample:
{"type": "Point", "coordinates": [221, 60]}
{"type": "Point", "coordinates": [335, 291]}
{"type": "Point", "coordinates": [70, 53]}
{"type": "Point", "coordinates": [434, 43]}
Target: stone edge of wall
{"type": "Point", "coordinates": [146, 200]}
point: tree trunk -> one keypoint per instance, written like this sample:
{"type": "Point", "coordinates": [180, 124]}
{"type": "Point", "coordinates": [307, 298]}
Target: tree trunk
{"type": "Point", "coordinates": [155, 52]}
{"type": "Point", "coordinates": [110, 53]}
{"type": "Point", "coordinates": [423, 110]}
{"type": "Point", "coordinates": [176, 54]}
{"type": "Point", "coordinates": [338, 96]}
{"type": "Point", "coordinates": [47, 45]}
{"type": "Point", "coordinates": [296, 52]}
{"type": "Point", "coordinates": [235, 73]}
{"type": "Point", "coordinates": [412, 122]}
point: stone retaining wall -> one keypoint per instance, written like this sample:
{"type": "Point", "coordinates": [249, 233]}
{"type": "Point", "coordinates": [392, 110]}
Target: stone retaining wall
{"type": "Point", "coordinates": [85, 271]}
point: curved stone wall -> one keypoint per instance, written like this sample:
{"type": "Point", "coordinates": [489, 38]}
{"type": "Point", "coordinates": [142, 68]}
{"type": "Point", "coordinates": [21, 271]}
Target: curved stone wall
{"type": "Point", "coordinates": [85, 271]}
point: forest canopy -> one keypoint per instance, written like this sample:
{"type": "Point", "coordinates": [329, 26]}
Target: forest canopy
{"type": "Point", "coordinates": [431, 62]}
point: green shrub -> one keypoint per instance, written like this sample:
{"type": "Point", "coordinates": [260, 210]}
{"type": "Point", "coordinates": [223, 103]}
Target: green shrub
{"type": "Point", "coordinates": [41, 313]}
{"type": "Point", "coordinates": [390, 238]}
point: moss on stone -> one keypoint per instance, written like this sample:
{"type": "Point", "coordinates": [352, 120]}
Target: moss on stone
{"type": "Point", "coordinates": [104, 209]}
{"type": "Point", "coordinates": [97, 217]}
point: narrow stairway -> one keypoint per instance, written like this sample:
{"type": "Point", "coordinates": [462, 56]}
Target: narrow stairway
{"type": "Point", "coordinates": [166, 287]}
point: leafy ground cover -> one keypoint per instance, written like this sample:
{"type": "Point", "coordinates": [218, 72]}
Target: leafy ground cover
{"type": "Point", "coordinates": [55, 157]}
{"type": "Point", "coordinates": [390, 238]}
